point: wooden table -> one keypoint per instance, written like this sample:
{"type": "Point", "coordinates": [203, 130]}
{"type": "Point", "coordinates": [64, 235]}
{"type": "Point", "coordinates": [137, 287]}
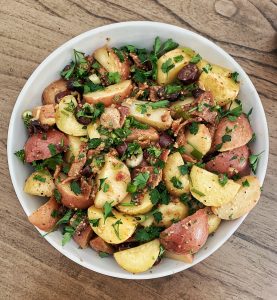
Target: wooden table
{"type": "Point", "coordinates": [246, 266]}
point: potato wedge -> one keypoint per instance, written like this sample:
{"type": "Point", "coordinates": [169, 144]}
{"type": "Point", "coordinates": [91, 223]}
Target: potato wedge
{"type": "Point", "coordinates": [167, 77]}
{"type": "Point", "coordinates": [213, 221]}
{"type": "Point", "coordinates": [83, 237]}
{"type": "Point", "coordinates": [112, 182]}
{"type": "Point", "coordinates": [99, 245]}
{"type": "Point", "coordinates": [92, 130]}
{"type": "Point", "coordinates": [246, 198]}
{"type": "Point", "coordinates": [72, 200]}
{"type": "Point", "coordinates": [159, 118]}
{"type": "Point", "coordinates": [186, 258]}
{"type": "Point", "coordinates": [172, 212]}
{"type": "Point", "coordinates": [43, 216]}
{"type": "Point", "coordinates": [205, 187]}
{"type": "Point", "coordinates": [197, 145]}
{"type": "Point", "coordinates": [138, 259]}
{"type": "Point", "coordinates": [75, 148]}
{"type": "Point", "coordinates": [108, 229]}
{"type": "Point", "coordinates": [40, 183]}
{"type": "Point", "coordinates": [65, 118]}
{"type": "Point", "coordinates": [239, 133]}
{"type": "Point", "coordinates": [143, 207]}
{"type": "Point", "coordinates": [114, 93]}
{"type": "Point", "coordinates": [171, 171]}
{"type": "Point", "coordinates": [111, 62]}
{"type": "Point", "coordinates": [218, 81]}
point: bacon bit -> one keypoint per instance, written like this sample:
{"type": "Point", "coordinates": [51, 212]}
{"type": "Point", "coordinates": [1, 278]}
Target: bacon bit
{"type": "Point", "coordinates": [94, 152]}
{"type": "Point", "coordinates": [69, 179]}
{"type": "Point", "coordinates": [153, 93]}
{"type": "Point", "coordinates": [137, 61]}
{"type": "Point", "coordinates": [76, 167]}
{"type": "Point", "coordinates": [164, 155]}
{"type": "Point", "coordinates": [120, 176]}
{"type": "Point", "coordinates": [166, 116]}
{"type": "Point", "coordinates": [57, 171]}
{"type": "Point", "coordinates": [124, 112]}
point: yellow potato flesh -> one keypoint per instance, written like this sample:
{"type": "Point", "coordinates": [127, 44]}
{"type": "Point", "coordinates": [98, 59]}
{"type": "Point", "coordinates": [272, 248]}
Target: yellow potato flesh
{"type": "Point", "coordinates": [114, 187]}
{"type": "Point", "coordinates": [165, 78]}
{"type": "Point", "coordinates": [75, 145]}
{"type": "Point", "coordinates": [39, 183]}
{"type": "Point", "coordinates": [65, 118]}
{"type": "Point", "coordinates": [171, 170]}
{"type": "Point", "coordinates": [246, 198]}
{"type": "Point", "coordinates": [138, 259]}
{"type": "Point", "coordinates": [92, 130]}
{"type": "Point", "coordinates": [144, 206]}
{"type": "Point", "coordinates": [205, 187]}
{"type": "Point", "coordinates": [213, 222]}
{"type": "Point", "coordinates": [186, 258]}
{"type": "Point", "coordinates": [108, 230]}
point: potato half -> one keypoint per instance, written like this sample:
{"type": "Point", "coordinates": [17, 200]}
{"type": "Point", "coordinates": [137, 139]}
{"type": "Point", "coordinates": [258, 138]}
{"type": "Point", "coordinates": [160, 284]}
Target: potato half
{"type": "Point", "coordinates": [159, 118]}
{"type": "Point", "coordinates": [65, 118]}
{"type": "Point", "coordinates": [75, 147]}
{"type": "Point", "coordinates": [112, 182]}
{"type": "Point", "coordinates": [144, 206]}
{"type": "Point", "coordinates": [168, 77]}
{"type": "Point", "coordinates": [40, 183]}
{"type": "Point", "coordinates": [218, 81]}
{"type": "Point", "coordinates": [172, 171]}
{"type": "Point", "coordinates": [246, 198]}
{"type": "Point", "coordinates": [113, 230]}
{"type": "Point", "coordinates": [138, 259]}
{"type": "Point", "coordinates": [205, 187]}
{"type": "Point", "coordinates": [114, 93]}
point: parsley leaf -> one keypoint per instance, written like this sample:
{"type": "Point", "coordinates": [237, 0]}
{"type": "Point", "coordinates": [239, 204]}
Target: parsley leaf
{"type": "Point", "coordinates": [176, 182]}
{"type": "Point", "coordinates": [52, 149]}
{"type": "Point", "coordinates": [167, 65]}
{"type": "Point", "coordinates": [226, 138]}
{"type": "Point", "coordinates": [184, 169]}
{"type": "Point", "coordinates": [197, 192]}
{"type": "Point", "coordinates": [148, 233]}
{"type": "Point", "coordinates": [158, 216]}
{"type": "Point", "coordinates": [65, 219]}
{"type": "Point", "coordinates": [57, 196]}
{"type": "Point", "coordinates": [94, 143]}
{"type": "Point", "coordinates": [154, 151]}
{"type": "Point", "coordinates": [154, 196]}
{"type": "Point", "coordinates": [245, 183]}
{"type": "Point", "coordinates": [103, 185]}
{"type": "Point", "coordinates": [20, 154]}
{"type": "Point", "coordinates": [207, 68]}
{"type": "Point", "coordinates": [222, 179]}
{"type": "Point", "coordinates": [184, 198]}
{"type": "Point", "coordinates": [75, 187]}
{"type": "Point", "coordinates": [119, 54]}
{"type": "Point", "coordinates": [161, 48]}
{"type": "Point", "coordinates": [39, 178]}
{"type": "Point", "coordinates": [196, 59]}
{"type": "Point", "coordinates": [107, 211]}
{"type": "Point", "coordinates": [193, 128]}
{"type": "Point", "coordinates": [234, 76]}
{"type": "Point", "coordinates": [141, 179]}
{"type": "Point", "coordinates": [103, 254]}
{"type": "Point", "coordinates": [116, 227]}
{"type": "Point", "coordinates": [113, 77]}
{"type": "Point", "coordinates": [178, 58]}
{"type": "Point", "coordinates": [254, 160]}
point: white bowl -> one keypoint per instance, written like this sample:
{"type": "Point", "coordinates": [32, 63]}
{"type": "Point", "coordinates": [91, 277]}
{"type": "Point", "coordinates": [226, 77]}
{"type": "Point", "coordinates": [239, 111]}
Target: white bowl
{"type": "Point", "coordinates": [141, 34]}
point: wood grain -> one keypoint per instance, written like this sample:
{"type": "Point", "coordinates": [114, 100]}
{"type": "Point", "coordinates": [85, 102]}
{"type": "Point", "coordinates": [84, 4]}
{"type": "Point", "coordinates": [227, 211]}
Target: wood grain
{"type": "Point", "coordinates": [246, 266]}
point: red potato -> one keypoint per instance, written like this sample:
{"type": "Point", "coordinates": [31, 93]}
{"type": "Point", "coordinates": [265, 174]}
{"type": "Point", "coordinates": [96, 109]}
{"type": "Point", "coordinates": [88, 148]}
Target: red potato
{"type": "Point", "coordinates": [231, 162]}
{"type": "Point", "coordinates": [52, 90]}
{"type": "Point", "coordinates": [239, 130]}
{"type": "Point", "coordinates": [188, 235]}
{"type": "Point", "coordinates": [111, 62]}
{"type": "Point", "coordinates": [83, 237]}
{"type": "Point", "coordinates": [45, 114]}
{"type": "Point", "coordinates": [115, 93]}
{"type": "Point", "coordinates": [99, 245]}
{"type": "Point", "coordinates": [42, 217]}
{"type": "Point", "coordinates": [36, 147]}
{"type": "Point", "coordinates": [71, 200]}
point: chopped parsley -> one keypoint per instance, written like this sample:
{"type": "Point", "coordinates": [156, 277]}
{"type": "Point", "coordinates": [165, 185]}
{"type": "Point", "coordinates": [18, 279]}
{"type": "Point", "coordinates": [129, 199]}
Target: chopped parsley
{"type": "Point", "coordinates": [148, 233]}
{"type": "Point", "coordinates": [57, 195]}
{"type": "Point", "coordinates": [103, 254]}
{"type": "Point", "coordinates": [176, 182]}
{"type": "Point", "coordinates": [254, 160]}
{"type": "Point", "coordinates": [234, 76]}
{"type": "Point", "coordinates": [158, 216]}
{"type": "Point", "coordinates": [39, 178]}
{"type": "Point", "coordinates": [184, 198]}
{"type": "Point", "coordinates": [195, 59]}
{"type": "Point", "coordinates": [197, 192]}
{"type": "Point", "coordinates": [184, 169]}
{"type": "Point", "coordinates": [116, 227]}
{"type": "Point", "coordinates": [178, 58]}
{"type": "Point", "coordinates": [75, 187]}
{"type": "Point", "coordinates": [113, 77]}
{"type": "Point", "coordinates": [222, 179]}
{"type": "Point", "coordinates": [107, 211]}
{"type": "Point", "coordinates": [20, 154]}
{"type": "Point", "coordinates": [167, 65]}
{"type": "Point", "coordinates": [207, 68]}
{"type": "Point", "coordinates": [245, 183]}
{"type": "Point", "coordinates": [193, 128]}
{"type": "Point", "coordinates": [94, 143]}
{"type": "Point", "coordinates": [52, 149]}
{"type": "Point", "coordinates": [226, 138]}
{"type": "Point", "coordinates": [154, 151]}
{"type": "Point", "coordinates": [103, 185]}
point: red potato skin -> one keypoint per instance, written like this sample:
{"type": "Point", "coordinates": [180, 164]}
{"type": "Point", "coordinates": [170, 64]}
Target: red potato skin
{"type": "Point", "coordinates": [231, 162]}
{"type": "Point", "coordinates": [100, 245]}
{"type": "Point", "coordinates": [42, 216]}
{"type": "Point", "coordinates": [188, 235]}
{"type": "Point", "coordinates": [82, 238]}
{"type": "Point", "coordinates": [53, 89]}
{"type": "Point", "coordinates": [36, 147]}
{"type": "Point", "coordinates": [241, 133]}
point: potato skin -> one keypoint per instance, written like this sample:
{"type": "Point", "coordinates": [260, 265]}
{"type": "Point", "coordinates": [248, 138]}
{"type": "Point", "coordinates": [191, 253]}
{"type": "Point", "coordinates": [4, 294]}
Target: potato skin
{"type": "Point", "coordinates": [115, 93]}
{"type": "Point", "coordinates": [36, 147]}
{"type": "Point", "coordinates": [42, 216]}
{"type": "Point", "coordinates": [241, 133]}
{"type": "Point", "coordinates": [70, 200]}
{"type": "Point", "coordinates": [37, 187]}
{"type": "Point", "coordinates": [188, 235]}
{"type": "Point", "coordinates": [99, 245]}
{"type": "Point", "coordinates": [231, 162]}
{"type": "Point", "coordinates": [82, 238]}
{"type": "Point", "coordinates": [245, 200]}
{"type": "Point", "coordinates": [54, 88]}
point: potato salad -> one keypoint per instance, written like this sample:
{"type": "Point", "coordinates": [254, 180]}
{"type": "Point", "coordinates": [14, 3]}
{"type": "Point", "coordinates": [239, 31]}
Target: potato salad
{"type": "Point", "coordinates": [140, 153]}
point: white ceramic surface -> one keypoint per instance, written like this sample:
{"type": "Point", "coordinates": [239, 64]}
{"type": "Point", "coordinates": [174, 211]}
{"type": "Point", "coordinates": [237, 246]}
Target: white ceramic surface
{"type": "Point", "coordinates": [140, 34]}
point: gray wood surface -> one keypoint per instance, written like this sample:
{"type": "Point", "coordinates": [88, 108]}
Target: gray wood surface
{"type": "Point", "coordinates": [246, 266]}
